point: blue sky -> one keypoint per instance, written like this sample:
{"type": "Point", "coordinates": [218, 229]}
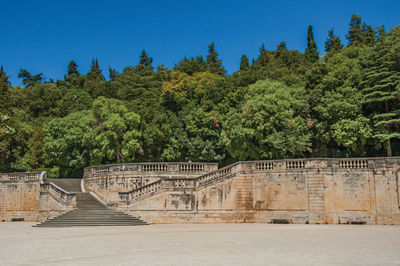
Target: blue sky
{"type": "Point", "coordinates": [43, 36]}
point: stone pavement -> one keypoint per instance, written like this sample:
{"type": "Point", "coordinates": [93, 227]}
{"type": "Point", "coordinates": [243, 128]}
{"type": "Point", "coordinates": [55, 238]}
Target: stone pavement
{"type": "Point", "coordinates": [200, 244]}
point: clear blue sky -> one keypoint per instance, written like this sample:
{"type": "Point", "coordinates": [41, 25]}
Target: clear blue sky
{"type": "Point", "coordinates": [43, 36]}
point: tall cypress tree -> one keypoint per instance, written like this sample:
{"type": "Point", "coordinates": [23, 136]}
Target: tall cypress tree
{"type": "Point", "coordinates": [333, 42]}
{"type": "Point", "coordinates": [381, 87]}
{"type": "Point", "coordinates": [244, 63]}
{"type": "Point", "coordinates": [214, 65]}
{"type": "Point", "coordinates": [311, 51]}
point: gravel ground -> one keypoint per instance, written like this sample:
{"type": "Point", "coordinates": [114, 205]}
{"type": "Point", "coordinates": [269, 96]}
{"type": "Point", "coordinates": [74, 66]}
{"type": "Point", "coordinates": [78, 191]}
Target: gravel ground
{"type": "Point", "coordinates": [200, 244]}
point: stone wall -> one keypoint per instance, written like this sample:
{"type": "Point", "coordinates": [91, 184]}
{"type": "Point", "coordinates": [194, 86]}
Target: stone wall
{"type": "Point", "coordinates": [359, 191]}
{"type": "Point", "coordinates": [26, 197]}
{"type": "Point", "coordinates": [19, 196]}
{"type": "Point", "coordinates": [107, 180]}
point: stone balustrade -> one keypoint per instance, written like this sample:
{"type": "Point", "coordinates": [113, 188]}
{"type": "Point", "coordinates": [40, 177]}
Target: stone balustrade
{"type": "Point", "coordinates": [16, 177]}
{"type": "Point", "coordinates": [60, 194]}
{"type": "Point", "coordinates": [178, 167]}
{"type": "Point", "coordinates": [353, 163]}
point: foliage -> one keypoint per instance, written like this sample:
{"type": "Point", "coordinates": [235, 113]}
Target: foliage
{"type": "Point", "coordinates": [282, 104]}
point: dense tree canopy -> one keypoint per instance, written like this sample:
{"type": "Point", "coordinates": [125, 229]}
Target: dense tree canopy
{"type": "Point", "coordinates": [282, 104]}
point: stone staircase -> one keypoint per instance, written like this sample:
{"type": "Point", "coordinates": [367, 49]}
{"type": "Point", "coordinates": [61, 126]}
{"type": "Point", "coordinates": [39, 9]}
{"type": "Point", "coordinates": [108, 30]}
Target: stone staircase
{"type": "Point", "coordinates": [316, 198]}
{"type": "Point", "coordinates": [89, 211]}
{"type": "Point", "coordinates": [68, 184]}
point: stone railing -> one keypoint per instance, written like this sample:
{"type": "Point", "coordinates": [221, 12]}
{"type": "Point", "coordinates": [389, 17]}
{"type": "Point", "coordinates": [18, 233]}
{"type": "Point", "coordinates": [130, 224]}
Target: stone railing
{"type": "Point", "coordinates": [295, 164]}
{"type": "Point", "coordinates": [149, 167]}
{"type": "Point", "coordinates": [231, 171]}
{"type": "Point", "coordinates": [141, 192]}
{"type": "Point", "coordinates": [162, 184]}
{"type": "Point", "coordinates": [353, 163]}
{"type": "Point", "coordinates": [16, 177]}
{"type": "Point", "coordinates": [216, 176]}
{"type": "Point", "coordinates": [266, 165]}
{"type": "Point", "coordinates": [59, 193]}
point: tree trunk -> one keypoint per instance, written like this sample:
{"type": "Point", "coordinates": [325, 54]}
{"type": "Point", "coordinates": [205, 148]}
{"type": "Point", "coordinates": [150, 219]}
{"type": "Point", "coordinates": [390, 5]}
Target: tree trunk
{"type": "Point", "coordinates": [389, 148]}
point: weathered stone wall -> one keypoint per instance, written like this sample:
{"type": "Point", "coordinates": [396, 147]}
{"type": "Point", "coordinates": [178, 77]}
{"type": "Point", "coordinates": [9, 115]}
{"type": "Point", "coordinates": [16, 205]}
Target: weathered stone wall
{"type": "Point", "coordinates": [54, 201]}
{"type": "Point", "coordinates": [107, 180]}
{"type": "Point", "coordinates": [362, 190]}
{"type": "Point", "coordinates": [19, 196]}
{"type": "Point", "coordinates": [26, 197]}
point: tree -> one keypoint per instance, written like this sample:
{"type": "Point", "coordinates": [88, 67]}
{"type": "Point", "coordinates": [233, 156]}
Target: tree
{"type": "Point", "coordinates": [112, 73]}
{"type": "Point", "coordinates": [381, 89]}
{"type": "Point", "coordinates": [94, 80]}
{"type": "Point", "coordinates": [281, 48]}
{"type": "Point", "coordinates": [244, 63]}
{"type": "Point", "coordinates": [36, 148]}
{"type": "Point", "coordinates": [74, 101]}
{"type": "Point", "coordinates": [182, 88]}
{"type": "Point", "coordinates": [333, 42]}
{"type": "Point", "coordinates": [73, 69]}
{"type": "Point", "coordinates": [4, 93]}
{"type": "Point", "coordinates": [191, 65]}
{"type": "Point", "coordinates": [5, 126]}
{"type": "Point", "coordinates": [28, 80]}
{"type": "Point", "coordinates": [115, 132]}
{"type": "Point", "coordinates": [105, 134]}
{"type": "Point", "coordinates": [268, 125]}
{"type": "Point", "coordinates": [263, 59]}
{"type": "Point", "coordinates": [95, 71]}
{"type": "Point", "coordinates": [368, 34]}
{"type": "Point", "coordinates": [311, 50]}
{"type": "Point", "coordinates": [360, 34]}
{"type": "Point", "coordinates": [145, 60]}
{"type": "Point", "coordinates": [214, 65]}
{"type": "Point", "coordinates": [339, 126]}
{"type": "Point", "coordinates": [66, 143]}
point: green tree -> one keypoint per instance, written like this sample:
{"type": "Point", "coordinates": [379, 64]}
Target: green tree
{"type": "Point", "coordinates": [355, 35]}
{"type": "Point", "coordinates": [381, 88]}
{"type": "Point", "coordinates": [74, 101]}
{"type": "Point", "coordinates": [112, 73]}
{"type": "Point", "coordinates": [73, 69]}
{"type": "Point", "coordinates": [269, 124]}
{"type": "Point", "coordinates": [311, 51]}
{"type": "Point", "coordinates": [145, 60]}
{"type": "Point", "coordinates": [95, 71]}
{"type": "Point", "coordinates": [281, 48]}
{"type": "Point", "coordinates": [214, 65]}
{"type": "Point", "coordinates": [4, 91]}
{"type": "Point", "coordinates": [191, 65]}
{"type": "Point", "coordinates": [28, 80]}
{"type": "Point", "coordinates": [35, 152]}
{"type": "Point", "coordinates": [339, 126]}
{"type": "Point", "coordinates": [264, 58]}
{"type": "Point", "coordinates": [333, 42]}
{"type": "Point", "coordinates": [94, 80]}
{"type": "Point", "coordinates": [244, 63]}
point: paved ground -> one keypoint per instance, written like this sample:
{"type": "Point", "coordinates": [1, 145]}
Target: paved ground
{"type": "Point", "coordinates": [211, 244]}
